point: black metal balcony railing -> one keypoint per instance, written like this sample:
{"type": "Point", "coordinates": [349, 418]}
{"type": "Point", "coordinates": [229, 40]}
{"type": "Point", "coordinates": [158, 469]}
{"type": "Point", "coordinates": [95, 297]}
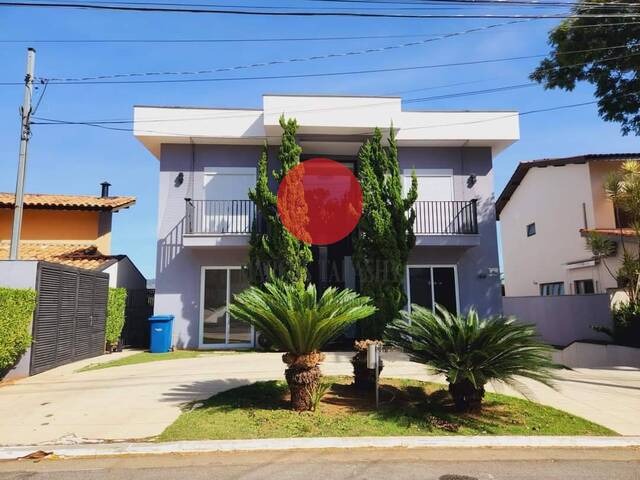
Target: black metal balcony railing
{"type": "Point", "coordinates": [453, 217]}
{"type": "Point", "coordinates": [237, 217]}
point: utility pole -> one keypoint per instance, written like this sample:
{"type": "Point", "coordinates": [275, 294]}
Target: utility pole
{"type": "Point", "coordinates": [25, 133]}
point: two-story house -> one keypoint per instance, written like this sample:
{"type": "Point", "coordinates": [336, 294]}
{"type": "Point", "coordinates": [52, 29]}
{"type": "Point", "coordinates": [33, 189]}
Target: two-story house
{"type": "Point", "coordinates": [73, 230]}
{"type": "Point", "coordinates": [208, 159]}
{"type": "Point", "coordinates": [544, 211]}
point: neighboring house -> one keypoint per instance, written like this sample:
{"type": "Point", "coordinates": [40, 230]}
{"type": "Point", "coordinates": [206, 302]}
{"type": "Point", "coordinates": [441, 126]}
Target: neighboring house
{"type": "Point", "coordinates": [544, 211]}
{"type": "Point", "coordinates": [207, 161]}
{"type": "Point", "coordinates": [72, 230]}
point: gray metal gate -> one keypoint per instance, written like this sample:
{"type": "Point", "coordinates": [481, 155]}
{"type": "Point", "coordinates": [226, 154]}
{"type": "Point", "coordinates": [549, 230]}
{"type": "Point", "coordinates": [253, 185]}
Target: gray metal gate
{"type": "Point", "coordinates": [70, 316]}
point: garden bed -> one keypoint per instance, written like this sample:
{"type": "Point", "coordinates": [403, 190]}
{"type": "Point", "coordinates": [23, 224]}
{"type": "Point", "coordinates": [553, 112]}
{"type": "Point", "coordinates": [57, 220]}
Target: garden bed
{"type": "Point", "coordinates": [408, 408]}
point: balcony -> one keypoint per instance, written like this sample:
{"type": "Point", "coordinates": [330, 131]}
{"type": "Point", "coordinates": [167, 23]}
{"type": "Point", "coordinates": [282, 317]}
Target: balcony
{"type": "Point", "coordinates": [218, 222]}
{"type": "Point", "coordinates": [446, 223]}
{"type": "Point", "coordinates": [229, 222]}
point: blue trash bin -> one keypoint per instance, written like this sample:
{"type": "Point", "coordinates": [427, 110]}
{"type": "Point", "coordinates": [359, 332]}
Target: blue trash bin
{"type": "Point", "coordinates": [160, 337]}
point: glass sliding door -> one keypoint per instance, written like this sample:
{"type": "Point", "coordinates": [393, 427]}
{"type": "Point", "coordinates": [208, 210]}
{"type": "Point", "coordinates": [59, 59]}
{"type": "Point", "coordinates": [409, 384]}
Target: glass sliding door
{"type": "Point", "coordinates": [218, 328]}
{"type": "Point", "coordinates": [239, 332]}
{"type": "Point", "coordinates": [428, 285]}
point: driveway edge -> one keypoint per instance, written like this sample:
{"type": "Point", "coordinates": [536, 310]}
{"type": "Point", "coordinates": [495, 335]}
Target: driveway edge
{"type": "Point", "coordinates": [273, 444]}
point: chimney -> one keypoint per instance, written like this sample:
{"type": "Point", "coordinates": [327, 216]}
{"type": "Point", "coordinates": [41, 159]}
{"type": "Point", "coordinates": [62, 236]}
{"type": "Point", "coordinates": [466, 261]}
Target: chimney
{"type": "Point", "coordinates": [105, 189]}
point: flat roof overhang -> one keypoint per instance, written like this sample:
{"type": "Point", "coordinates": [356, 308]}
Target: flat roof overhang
{"type": "Point", "coordinates": [332, 125]}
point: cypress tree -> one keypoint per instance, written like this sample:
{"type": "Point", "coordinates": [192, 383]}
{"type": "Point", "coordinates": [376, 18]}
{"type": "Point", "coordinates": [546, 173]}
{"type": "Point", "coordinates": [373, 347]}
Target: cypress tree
{"type": "Point", "coordinates": [384, 236]}
{"type": "Point", "coordinates": [271, 247]}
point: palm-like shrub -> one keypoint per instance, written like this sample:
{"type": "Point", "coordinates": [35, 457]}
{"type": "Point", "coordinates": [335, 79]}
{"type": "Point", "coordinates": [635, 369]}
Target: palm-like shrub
{"type": "Point", "coordinates": [471, 351]}
{"type": "Point", "coordinates": [295, 320]}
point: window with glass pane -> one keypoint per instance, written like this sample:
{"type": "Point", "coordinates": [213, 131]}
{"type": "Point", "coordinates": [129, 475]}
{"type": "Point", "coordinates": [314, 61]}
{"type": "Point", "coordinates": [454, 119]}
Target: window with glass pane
{"type": "Point", "coordinates": [215, 307]}
{"type": "Point", "coordinates": [420, 287]}
{"type": "Point", "coordinates": [584, 287]}
{"type": "Point", "coordinates": [553, 288]}
{"type": "Point", "coordinates": [429, 283]}
{"type": "Point", "coordinates": [444, 288]}
{"type": "Point", "coordinates": [239, 331]}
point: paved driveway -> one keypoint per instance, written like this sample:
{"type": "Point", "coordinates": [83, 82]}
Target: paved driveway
{"type": "Point", "coordinates": [139, 401]}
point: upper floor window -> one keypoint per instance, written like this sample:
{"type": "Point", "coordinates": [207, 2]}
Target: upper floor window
{"type": "Point", "coordinates": [623, 219]}
{"type": "Point", "coordinates": [553, 288]}
{"type": "Point", "coordinates": [433, 184]}
{"type": "Point", "coordinates": [531, 229]}
{"type": "Point", "coordinates": [584, 287]}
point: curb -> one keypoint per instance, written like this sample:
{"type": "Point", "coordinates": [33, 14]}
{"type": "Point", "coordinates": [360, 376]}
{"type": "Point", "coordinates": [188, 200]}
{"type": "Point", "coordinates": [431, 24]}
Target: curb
{"type": "Point", "coordinates": [275, 444]}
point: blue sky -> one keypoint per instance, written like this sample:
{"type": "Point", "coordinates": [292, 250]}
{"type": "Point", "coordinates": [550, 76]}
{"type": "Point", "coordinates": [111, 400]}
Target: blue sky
{"type": "Point", "coordinates": [75, 159]}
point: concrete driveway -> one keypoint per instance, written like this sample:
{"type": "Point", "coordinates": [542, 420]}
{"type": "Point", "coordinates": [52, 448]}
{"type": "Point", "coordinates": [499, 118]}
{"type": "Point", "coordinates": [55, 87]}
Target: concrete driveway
{"type": "Point", "coordinates": [139, 401]}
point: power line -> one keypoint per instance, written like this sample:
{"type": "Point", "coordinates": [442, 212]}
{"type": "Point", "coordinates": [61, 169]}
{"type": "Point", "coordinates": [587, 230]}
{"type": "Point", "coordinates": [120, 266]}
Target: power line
{"type": "Point", "coordinates": [296, 59]}
{"type": "Point", "coordinates": [324, 74]}
{"type": "Point", "coordinates": [260, 40]}
{"type": "Point", "coordinates": [218, 11]}
{"type": "Point", "coordinates": [368, 132]}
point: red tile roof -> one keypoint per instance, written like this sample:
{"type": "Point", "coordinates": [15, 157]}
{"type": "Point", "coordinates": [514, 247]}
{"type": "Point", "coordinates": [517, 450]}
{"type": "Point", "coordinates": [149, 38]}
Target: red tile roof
{"type": "Point", "coordinates": [524, 167]}
{"type": "Point", "coordinates": [83, 202]}
{"type": "Point", "coordinates": [75, 255]}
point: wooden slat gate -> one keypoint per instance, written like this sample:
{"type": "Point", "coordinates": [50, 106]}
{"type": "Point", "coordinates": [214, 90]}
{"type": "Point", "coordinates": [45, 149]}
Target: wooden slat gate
{"type": "Point", "coordinates": [70, 316]}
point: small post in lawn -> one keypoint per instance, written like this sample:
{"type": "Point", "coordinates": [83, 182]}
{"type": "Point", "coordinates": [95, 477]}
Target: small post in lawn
{"type": "Point", "coordinates": [373, 360]}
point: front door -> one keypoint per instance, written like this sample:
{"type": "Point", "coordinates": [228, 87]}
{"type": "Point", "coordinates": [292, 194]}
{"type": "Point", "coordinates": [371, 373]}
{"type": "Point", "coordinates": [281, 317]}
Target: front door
{"type": "Point", "coordinates": [218, 329]}
{"type": "Point", "coordinates": [433, 284]}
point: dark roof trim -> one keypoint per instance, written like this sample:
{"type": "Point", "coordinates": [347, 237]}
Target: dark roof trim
{"type": "Point", "coordinates": [524, 167]}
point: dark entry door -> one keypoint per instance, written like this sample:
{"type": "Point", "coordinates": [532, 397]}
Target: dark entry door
{"type": "Point", "coordinates": [69, 322]}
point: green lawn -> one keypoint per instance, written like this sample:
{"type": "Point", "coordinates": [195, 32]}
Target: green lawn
{"type": "Point", "coordinates": [146, 357]}
{"type": "Point", "coordinates": [409, 408]}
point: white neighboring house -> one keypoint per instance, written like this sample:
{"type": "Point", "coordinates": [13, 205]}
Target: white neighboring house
{"type": "Point", "coordinates": [544, 211]}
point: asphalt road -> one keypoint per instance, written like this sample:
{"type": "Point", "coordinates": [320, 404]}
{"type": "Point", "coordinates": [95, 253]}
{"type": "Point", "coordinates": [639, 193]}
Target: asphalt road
{"type": "Point", "coordinates": [370, 464]}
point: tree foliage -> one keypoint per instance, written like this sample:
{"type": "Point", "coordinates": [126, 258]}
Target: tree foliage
{"type": "Point", "coordinates": [271, 246]}
{"type": "Point", "coordinates": [606, 55]}
{"type": "Point", "coordinates": [295, 318]}
{"type": "Point", "coordinates": [623, 189]}
{"type": "Point", "coordinates": [384, 236]}
{"type": "Point", "coordinates": [470, 351]}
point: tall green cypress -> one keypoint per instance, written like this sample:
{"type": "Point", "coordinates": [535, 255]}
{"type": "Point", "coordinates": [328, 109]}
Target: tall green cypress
{"type": "Point", "coordinates": [272, 247]}
{"type": "Point", "coordinates": [384, 236]}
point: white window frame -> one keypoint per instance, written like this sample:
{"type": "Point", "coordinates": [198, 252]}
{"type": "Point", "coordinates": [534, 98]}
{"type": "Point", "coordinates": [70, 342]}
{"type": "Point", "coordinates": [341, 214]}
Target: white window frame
{"type": "Point", "coordinates": [219, 346]}
{"type": "Point", "coordinates": [212, 171]}
{"type": "Point", "coordinates": [430, 172]}
{"type": "Point", "coordinates": [431, 266]}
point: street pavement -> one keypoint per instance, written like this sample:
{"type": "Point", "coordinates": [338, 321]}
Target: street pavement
{"type": "Point", "coordinates": [140, 401]}
{"type": "Point", "coordinates": [409, 464]}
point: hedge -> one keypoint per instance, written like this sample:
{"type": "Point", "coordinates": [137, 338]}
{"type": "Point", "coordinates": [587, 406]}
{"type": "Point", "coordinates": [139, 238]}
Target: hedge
{"type": "Point", "coordinates": [16, 312]}
{"type": "Point", "coordinates": [115, 314]}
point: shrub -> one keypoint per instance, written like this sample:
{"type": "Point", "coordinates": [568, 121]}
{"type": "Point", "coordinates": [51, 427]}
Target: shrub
{"type": "Point", "coordinates": [625, 328]}
{"type": "Point", "coordinates": [470, 352]}
{"type": "Point", "coordinates": [115, 314]}
{"type": "Point", "coordinates": [16, 312]}
{"type": "Point", "coordinates": [294, 318]}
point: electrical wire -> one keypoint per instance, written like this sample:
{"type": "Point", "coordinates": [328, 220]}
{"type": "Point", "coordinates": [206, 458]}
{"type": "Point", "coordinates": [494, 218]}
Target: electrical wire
{"type": "Point", "coordinates": [296, 59]}
{"type": "Point", "coordinates": [368, 132]}
{"type": "Point", "coordinates": [323, 74]}
{"type": "Point", "coordinates": [217, 11]}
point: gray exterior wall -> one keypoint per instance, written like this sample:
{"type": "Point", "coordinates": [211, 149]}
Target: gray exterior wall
{"type": "Point", "coordinates": [179, 268]}
{"type": "Point", "coordinates": [563, 319]}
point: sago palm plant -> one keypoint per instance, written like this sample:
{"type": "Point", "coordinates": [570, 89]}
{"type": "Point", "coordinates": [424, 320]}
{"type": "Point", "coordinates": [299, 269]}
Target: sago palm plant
{"type": "Point", "coordinates": [470, 351]}
{"type": "Point", "coordinates": [295, 320]}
